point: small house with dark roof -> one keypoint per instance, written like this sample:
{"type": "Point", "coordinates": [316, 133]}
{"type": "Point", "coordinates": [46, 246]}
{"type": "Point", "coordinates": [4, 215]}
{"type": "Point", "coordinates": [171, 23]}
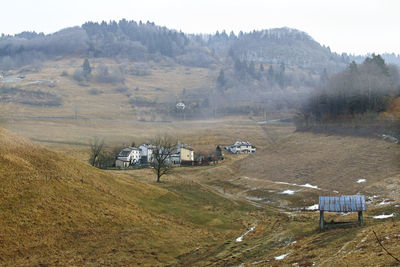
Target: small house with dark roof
{"type": "Point", "coordinates": [127, 157]}
{"type": "Point", "coordinates": [354, 203]}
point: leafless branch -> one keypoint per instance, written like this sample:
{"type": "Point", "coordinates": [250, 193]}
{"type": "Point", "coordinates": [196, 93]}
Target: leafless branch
{"type": "Point", "coordinates": [380, 243]}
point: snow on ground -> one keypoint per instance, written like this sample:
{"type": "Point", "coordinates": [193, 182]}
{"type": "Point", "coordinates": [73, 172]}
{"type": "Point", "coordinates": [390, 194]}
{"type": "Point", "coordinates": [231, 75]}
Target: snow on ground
{"type": "Point", "coordinates": [288, 192]}
{"type": "Point", "coordinates": [260, 261]}
{"type": "Point", "coordinates": [383, 216]}
{"type": "Point", "coordinates": [361, 181]}
{"type": "Point", "coordinates": [240, 238]}
{"type": "Point", "coordinates": [310, 186]}
{"type": "Point", "coordinates": [383, 203]}
{"type": "Point", "coordinates": [313, 207]}
{"type": "Point", "coordinates": [281, 257]}
{"type": "Point", "coordinates": [284, 183]}
{"type": "Point", "coordinates": [301, 185]}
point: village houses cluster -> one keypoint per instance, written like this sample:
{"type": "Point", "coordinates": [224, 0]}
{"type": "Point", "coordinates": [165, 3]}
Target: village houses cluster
{"type": "Point", "coordinates": [184, 154]}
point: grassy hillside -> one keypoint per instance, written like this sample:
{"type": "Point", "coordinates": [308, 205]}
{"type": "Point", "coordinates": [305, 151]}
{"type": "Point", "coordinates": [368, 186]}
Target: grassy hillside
{"type": "Point", "coordinates": [56, 210]}
{"type": "Point", "coordinates": [50, 215]}
{"type": "Point", "coordinates": [158, 89]}
{"type": "Point", "coordinates": [329, 162]}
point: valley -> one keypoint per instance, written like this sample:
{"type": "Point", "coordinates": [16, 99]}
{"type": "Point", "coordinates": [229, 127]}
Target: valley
{"type": "Point", "coordinates": [268, 193]}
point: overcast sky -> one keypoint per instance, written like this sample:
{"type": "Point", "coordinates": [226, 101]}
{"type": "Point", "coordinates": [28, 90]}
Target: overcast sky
{"type": "Point", "coordinates": [352, 26]}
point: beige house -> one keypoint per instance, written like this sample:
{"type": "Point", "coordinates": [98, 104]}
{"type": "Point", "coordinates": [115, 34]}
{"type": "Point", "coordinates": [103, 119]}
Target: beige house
{"type": "Point", "coordinates": [187, 153]}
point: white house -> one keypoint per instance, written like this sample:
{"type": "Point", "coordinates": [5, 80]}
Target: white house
{"type": "Point", "coordinates": [146, 153]}
{"type": "Point", "coordinates": [240, 147]}
{"type": "Point", "coordinates": [127, 157]}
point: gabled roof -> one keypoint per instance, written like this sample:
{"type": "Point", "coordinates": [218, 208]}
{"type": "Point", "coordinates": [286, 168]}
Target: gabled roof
{"type": "Point", "coordinates": [124, 153]}
{"type": "Point", "coordinates": [342, 203]}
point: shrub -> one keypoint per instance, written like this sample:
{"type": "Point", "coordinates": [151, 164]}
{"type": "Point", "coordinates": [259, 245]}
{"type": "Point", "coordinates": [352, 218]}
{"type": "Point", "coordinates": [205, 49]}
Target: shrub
{"type": "Point", "coordinates": [107, 74]}
{"type": "Point", "coordinates": [78, 75]}
{"type": "Point", "coordinates": [64, 73]}
{"type": "Point", "coordinates": [94, 91]}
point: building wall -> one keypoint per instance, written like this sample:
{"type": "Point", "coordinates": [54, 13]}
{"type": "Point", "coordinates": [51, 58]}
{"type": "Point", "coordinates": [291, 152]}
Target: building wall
{"type": "Point", "coordinates": [121, 164]}
{"type": "Point", "coordinates": [187, 155]}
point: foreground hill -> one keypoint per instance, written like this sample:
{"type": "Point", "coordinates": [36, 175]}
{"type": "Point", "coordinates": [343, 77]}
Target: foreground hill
{"type": "Point", "coordinates": [58, 211]}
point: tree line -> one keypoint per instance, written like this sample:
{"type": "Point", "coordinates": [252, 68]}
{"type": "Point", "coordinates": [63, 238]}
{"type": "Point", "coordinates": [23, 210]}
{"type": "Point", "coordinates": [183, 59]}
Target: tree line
{"type": "Point", "coordinates": [366, 88]}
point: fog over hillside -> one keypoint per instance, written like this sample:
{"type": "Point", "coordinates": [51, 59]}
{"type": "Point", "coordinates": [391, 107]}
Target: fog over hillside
{"type": "Point", "coordinates": [249, 73]}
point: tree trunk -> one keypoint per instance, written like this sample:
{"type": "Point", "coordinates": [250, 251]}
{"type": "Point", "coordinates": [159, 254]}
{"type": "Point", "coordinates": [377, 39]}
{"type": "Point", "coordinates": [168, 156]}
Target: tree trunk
{"type": "Point", "coordinates": [158, 176]}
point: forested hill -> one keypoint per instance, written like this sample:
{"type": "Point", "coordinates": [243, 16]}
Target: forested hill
{"type": "Point", "coordinates": [281, 45]}
{"type": "Point", "coordinates": [147, 41]}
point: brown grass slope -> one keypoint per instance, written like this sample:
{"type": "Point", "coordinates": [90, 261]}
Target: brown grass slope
{"type": "Point", "coordinates": [56, 210]}
{"type": "Point", "coordinates": [330, 162]}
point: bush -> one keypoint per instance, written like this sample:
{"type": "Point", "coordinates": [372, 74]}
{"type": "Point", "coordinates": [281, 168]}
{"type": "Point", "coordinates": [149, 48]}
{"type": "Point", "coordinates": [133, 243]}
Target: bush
{"type": "Point", "coordinates": [107, 74]}
{"type": "Point", "coordinates": [94, 91]}
{"type": "Point", "coordinates": [78, 75]}
{"type": "Point", "coordinates": [64, 73]}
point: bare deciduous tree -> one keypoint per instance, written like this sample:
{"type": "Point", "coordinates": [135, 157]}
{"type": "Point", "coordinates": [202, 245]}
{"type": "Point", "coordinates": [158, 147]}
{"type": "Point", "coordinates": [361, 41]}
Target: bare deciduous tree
{"type": "Point", "coordinates": [164, 148]}
{"type": "Point", "coordinates": [96, 147]}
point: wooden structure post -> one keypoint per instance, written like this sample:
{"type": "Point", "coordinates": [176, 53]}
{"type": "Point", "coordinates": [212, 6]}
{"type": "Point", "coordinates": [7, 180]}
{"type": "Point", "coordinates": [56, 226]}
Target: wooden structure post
{"type": "Point", "coordinates": [360, 218]}
{"type": "Point", "coordinates": [321, 220]}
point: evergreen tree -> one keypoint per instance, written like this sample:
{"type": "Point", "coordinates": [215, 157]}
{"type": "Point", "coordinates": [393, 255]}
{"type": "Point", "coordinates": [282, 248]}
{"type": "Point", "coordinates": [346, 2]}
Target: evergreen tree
{"type": "Point", "coordinates": [221, 82]}
{"type": "Point", "coordinates": [87, 70]}
{"type": "Point", "coordinates": [252, 69]}
{"type": "Point", "coordinates": [324, 76]}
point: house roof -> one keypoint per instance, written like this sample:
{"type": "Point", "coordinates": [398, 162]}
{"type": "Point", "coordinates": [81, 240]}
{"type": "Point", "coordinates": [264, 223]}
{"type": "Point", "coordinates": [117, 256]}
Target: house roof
{"type": "Point", "coordinates": [147, 146]}
{"type": "Point", "coordinates": [186, 147]}
{"type": "Point", "coordinates": [342, 203]}
{"type": "Point", "coordinates": [241, 143]}
{"type": "Point", "coordinates": [124, 153]}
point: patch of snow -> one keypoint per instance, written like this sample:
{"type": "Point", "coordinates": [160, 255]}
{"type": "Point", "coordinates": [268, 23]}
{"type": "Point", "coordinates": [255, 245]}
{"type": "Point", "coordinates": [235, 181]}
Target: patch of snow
{"type": "Point", "coordinates": [313, 207]}
{"type": "Point", "coordinates": [383, 203]}
{"type": "Point", "coordinates": [396, 206]}
{"type": "Point", "coordinates": [294, 242]}
{"type": "Point", "coordinates": [383, 216]}
{"type": "Point", "coordinates": [288, 192]}
{"type": "Point", "coordinates": [285, 183]}
{"type": "Point", "coordinates": [310, 186]}
{"type": "Point", "coordinates": [301, 185]}
{"type": "Point", "coordinates": [240, 238]}
{"type": "Point", "coordinates": [257, 262]}
{"type": "Point", "coordinates": [254, 198]}
{"type": "Point", "coordinates": [361, 181]}
{"type": "Point", "coordinates": [281, 257]}
{"type": "Point", "coordinates": [335, 191]}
